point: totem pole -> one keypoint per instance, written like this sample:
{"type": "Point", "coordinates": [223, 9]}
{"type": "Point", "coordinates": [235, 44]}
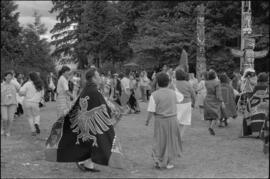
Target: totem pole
{"type": "Point", "coordinates": [246, 53]}
{"type": "Point", "coordinates": [201, 61]}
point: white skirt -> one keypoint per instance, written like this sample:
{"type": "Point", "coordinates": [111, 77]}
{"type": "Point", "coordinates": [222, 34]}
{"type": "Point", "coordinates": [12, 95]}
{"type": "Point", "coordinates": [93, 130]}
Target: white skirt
{"type": "Point", "coordinates": [184, 113]}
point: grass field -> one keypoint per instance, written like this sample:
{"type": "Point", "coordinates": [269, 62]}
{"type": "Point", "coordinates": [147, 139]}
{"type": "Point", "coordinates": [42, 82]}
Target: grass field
{"type": "Point", "coordinates": [205, 156]}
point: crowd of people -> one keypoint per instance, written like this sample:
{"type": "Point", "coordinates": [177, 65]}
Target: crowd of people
{"type": "Point", "coordinates": [93, 109]}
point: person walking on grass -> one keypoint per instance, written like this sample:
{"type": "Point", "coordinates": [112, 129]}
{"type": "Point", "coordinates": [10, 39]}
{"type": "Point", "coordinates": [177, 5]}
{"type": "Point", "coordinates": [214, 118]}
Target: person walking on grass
{"type": "Point", "coordinates": [144, 85]}
{"type": "Point", "coordinates": [184, 109]}
{"type": "Point", "coordinates": [213, 100]}
{"type": "Point", "coordinates": [125, 95]}
{"type": "Point", "coordinates": [201, 94]}
{"type": "Point", "coordinates": [229, 100]}
{"type": "Point", "coordinates": [86, 135]}
{"type": "Point", "coordinates": [64, 96]}
{"type": "Point", "coordinates": [8, 103]}
{"type": "Point", "coordinates": [167, 136]}
{"type": "Point", "coordinates": [33, 92]}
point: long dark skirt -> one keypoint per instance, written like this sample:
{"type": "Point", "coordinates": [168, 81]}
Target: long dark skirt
{"type": "Point", "coordinates": [133, 103]}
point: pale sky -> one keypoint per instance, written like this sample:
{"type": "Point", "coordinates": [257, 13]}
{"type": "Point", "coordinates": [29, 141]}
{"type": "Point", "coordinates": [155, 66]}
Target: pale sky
{"type": "Point", "coordinates": [27, 8]}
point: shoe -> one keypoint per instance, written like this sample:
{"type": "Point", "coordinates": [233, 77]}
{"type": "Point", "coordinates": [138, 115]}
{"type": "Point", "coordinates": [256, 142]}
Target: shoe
{"type": "Point", "coordinates": [85, 169]}
{"type": "Point", "coordinates": [8, 134]}
{"type": "Point", "coordinates": [157, 165]}
{"type": "Point", "coordinates": [37, 129]}
{"type": "Point", "coordinates": [212, 132]}
{"type": "Point", "coordinates": [170, 166]}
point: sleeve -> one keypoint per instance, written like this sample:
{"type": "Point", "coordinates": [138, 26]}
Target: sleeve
{"type": "Point", "coordinates": [17, 84]}
{"type": "Point", "coordinates": [151, 105]}
{"type": "Point", "coordinates": [42, 93]}
{"type": "Point", "coordinates": [179, 96]}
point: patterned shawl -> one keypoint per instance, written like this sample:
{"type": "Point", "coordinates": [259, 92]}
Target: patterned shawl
{"type": "Point", "coordinates": [85, 132]}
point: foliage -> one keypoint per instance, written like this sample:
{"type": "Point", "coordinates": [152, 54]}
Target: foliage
{"type": "Point", "coordinates": [36, 50]}
{"type": "Point", "coordinates": [65, 34]}
{"type": "Point", "coordinates": [153, 31]}
{"type": "Point", "coordinates": [10, 35]}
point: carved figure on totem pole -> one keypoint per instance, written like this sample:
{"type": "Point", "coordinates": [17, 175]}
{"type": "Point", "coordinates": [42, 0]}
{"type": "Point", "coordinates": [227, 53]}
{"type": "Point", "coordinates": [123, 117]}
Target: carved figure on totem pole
{"type": "Point", "coordinates": [249, 54]}
{"type": "Point", "coordinates": [200, 61]}
{"type": "Point", "coordinates": [248, 41]}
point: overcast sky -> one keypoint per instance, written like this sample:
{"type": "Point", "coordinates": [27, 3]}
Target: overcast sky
{"type": "Point", "coordinates": [27, 8]}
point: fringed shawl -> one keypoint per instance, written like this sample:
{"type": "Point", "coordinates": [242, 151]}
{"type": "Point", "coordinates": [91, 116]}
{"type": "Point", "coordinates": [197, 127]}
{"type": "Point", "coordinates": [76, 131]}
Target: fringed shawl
{"type": "Point", "coordinates": [85, 132]}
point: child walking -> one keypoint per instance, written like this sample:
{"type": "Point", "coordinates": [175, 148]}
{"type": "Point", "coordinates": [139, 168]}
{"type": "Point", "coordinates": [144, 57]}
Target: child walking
{"type": "Point", "coordinates": [167, 137]}
{"type": "Point", "coordinates": [33, 92]}
{"type": "Point", "coordinates": [8, 103]}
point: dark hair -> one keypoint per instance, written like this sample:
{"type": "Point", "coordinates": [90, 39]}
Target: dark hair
{"type": "Point", "coordinates": [33, 76]}
{"type": "Point", "coordinates": [8, 73]}
{"type": "Point", "coordinates": [90, 73]}
{"type": "Point", "coordinates": [223, 78]}
{"type": "Point", "coordinates": [121, 75]}
{"type": "Point", "coordinates": [211, 75]}
{"type": "Point", "coordinates": [63, 70]}
{"type": "Point", "coordinates": [180, 74]}
{"type": "Point", "coordinates": [163, 79]}
{"type": "Point", "coordinates": [262, 77]}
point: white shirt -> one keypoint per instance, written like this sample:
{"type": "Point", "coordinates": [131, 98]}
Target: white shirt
{"type": "Point", "coordinates": [31, 94]}
{"type": "Point", "coordinates": [152, 103]}
{"type": "Point", "coordinates": [62, 85]}
{"type": "Point", "coordinates": [144, 81]}
{"type": "Point", "coordinates": [125, 83]}
{"type": "Point", "coordinates": [15, 82]}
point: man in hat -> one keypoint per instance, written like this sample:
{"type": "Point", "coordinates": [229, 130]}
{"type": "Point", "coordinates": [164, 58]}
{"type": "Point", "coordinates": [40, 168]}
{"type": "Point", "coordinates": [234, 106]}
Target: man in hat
{"type": "Point", "coordinates": [248, 81]}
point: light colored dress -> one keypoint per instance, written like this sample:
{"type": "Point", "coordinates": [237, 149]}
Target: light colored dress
{"type": "Point", "coordinates": [184, 109]}
{"type": "Point", "coordinates": [167, 138]}
{"type": "Point", "coordinates": [62, 100]}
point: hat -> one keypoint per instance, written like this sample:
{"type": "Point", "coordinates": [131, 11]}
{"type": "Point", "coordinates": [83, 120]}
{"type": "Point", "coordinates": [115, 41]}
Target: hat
{"type": "Point", "coordinates": [115, 74]}
{"type": "Point", "coordinates": [249, 70]}
{"type": "Point", "coordinates": [246, 71]}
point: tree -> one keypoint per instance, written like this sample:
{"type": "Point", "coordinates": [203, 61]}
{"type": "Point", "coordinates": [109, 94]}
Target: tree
{"type": "Point", "coordinates": [66, 32]}
{"type": "Point", "coordinates": [36, 55]}
{"type": "Point", "coordinates": [10, 35]}
{"type": "Point", "coordinates": [164, 29]}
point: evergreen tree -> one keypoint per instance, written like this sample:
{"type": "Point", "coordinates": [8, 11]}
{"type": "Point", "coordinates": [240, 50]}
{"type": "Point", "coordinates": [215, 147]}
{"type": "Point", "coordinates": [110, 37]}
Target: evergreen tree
{"type": "Point", "coordinates": [66, 32]}
{"type": "Point", "coordinates": [10, 35]}
{"type": "Point", "coordinates": [36, 55]}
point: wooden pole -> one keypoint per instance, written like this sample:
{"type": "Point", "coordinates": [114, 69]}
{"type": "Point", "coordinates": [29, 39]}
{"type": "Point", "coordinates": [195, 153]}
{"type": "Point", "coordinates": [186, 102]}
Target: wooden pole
{"type": "Point", "coordinates": [200, 61]}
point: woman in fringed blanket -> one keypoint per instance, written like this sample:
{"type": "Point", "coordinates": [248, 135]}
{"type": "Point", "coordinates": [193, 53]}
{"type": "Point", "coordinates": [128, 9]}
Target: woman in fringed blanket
{"type": "Point", "coordinates": [258, 105]}
{"type": "Point", "coordinates": [167, 137]}
{"type": "Point", "coordinates": [86, 135]}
